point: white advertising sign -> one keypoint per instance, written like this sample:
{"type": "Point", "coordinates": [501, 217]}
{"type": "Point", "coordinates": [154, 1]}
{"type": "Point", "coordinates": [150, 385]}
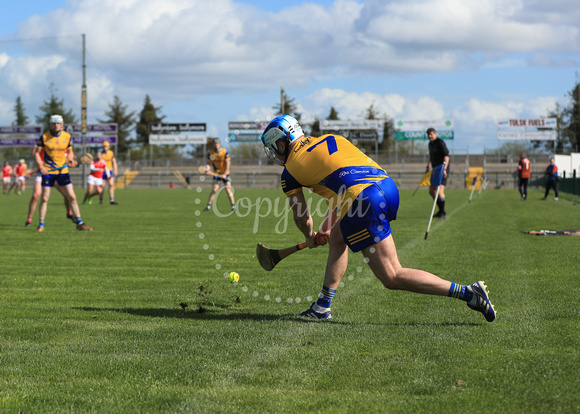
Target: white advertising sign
{"type": "Point", "coordinates": [175, 139]}
{"type": "Point", "coordinates": [349, 125]}
{"type": "Point", "coordinates": [527, 135]}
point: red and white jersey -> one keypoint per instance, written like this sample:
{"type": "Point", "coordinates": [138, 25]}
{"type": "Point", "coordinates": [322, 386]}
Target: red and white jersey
{"type": "Point", "coordinates": [20, 170]}
{"type": "Point", "coordinates": [97, 167]}
{"type": "Point", "coordinates": [7, 171]}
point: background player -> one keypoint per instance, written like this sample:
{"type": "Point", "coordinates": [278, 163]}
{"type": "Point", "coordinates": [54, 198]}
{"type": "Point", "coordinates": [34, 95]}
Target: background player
{"type": "Point", "coordinates": [218, 159]}
{"type": "Point", "coordinates": [19, 177]}
{"type": "Point", "coordinates": [552, 179]}
{"type": "Point", "coordinates": [362, 201]}
{"type": "Point", "coordinates": [524, 172]}
{"type": "Point", "coordinates": [438, 154]}
{"type": "Point", "coordinates": [95, 179]}
{"type": "Point", "coordinates": [109, 176]}
{"type": "Point", "coordinates": [6, 177]}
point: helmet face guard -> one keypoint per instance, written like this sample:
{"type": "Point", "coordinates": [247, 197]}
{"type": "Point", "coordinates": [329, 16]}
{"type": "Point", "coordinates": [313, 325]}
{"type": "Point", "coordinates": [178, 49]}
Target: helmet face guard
{"type": "Point", "coordinates": [270, 139]}
{"type": "Point", "coordinates": [283, 127]}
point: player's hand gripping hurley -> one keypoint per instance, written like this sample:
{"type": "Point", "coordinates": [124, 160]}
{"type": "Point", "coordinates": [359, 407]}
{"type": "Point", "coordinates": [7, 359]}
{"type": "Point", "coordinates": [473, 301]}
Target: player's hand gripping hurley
{"type": "Point", "coordinates": [201, 169]}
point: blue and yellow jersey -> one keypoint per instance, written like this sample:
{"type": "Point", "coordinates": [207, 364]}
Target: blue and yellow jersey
{"type": "Point", "coordinates": [55, 149]}
{"type": "Point", "coordinates": [219, 160]}
{"type": "Point", "coordinates": [108, 156]}
{"type": "Point", "coordinates": [332, 167]}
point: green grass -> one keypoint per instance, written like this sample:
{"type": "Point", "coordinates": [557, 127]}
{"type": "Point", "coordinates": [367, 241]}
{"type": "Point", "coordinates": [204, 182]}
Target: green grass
{"type": "Point", "coordinates": [92, 322]}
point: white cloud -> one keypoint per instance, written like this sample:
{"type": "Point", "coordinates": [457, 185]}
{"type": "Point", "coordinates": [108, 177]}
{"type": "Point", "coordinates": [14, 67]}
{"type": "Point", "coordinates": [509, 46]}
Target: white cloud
{"type": "Point", "coordinates": [476, 111]}
{"type": "Point", "coordinates": [467, 25]}
{"type": "Point", "coordinates": [354, 105]}
{"type": "Point", "coordinates": [192, 47]}
{"type": "Point", "coordinates": [4, 58]}
{"type": "Point", "coordinates": [540, 107]}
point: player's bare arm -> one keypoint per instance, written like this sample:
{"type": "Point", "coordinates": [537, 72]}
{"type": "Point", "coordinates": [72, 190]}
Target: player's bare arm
{"type": "Point", "coordinates": [70, 158]}
{"type": "Point", "coordinates": [323, 234]}
{"type": "Point", "coordinates": [114, 161]}
{"type": "Point", "coordinates": [40, 163]}
{"type": "Point", "coordinates": [302, 218]}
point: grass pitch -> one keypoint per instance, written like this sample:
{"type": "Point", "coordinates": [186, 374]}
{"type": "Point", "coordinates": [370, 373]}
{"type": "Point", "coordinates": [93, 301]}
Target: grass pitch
{"type": "Point", "coordinates": [137, 316]}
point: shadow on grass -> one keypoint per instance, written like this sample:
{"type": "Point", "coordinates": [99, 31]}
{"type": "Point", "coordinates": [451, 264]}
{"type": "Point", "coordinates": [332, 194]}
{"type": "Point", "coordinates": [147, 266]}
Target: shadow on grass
{"type": "Point", "coordinates": [206, 314]}
{"type": "Point", "coordinates": [212, 314]}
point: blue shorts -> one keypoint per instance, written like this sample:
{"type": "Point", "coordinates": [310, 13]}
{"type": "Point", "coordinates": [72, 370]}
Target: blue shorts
{"type": "Point", "coordinates": [61, 179]}
{"type": "Point", "coordinates": [223, 180]}
{"type": "Point", "coordinates": [367, 220]}
{"type": "Point", "coordinates": [107, 176]}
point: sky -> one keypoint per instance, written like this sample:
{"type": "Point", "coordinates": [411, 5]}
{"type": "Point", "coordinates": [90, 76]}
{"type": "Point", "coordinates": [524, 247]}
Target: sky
{"type": "Point", "coordinates": [213, 62]}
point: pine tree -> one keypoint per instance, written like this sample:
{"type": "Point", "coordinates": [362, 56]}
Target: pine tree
{"type": "Point", "coordinates": [572, 113]}
{"type": "Point", "coordinates": [333, 116]}
{"type": "Point", "coordinates": [561, 139]}
{"type": "Point", "coordinates": [125, 121]}
{"type": "Point", "coordinates": [21, 118]}
{"type": "Point", "coordinates": [388, 135]}
{"type": "Point", "coordinates": [147, 116]}
{"type": "Point", "coordinates": [54, 106]}
{"type": "Point", "coordinates": [371, 112]}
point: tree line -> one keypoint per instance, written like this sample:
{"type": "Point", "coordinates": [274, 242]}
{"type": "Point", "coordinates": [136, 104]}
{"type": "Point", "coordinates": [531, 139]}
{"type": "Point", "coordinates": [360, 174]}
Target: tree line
{"type": "Point", "coordinates": [568, 129]}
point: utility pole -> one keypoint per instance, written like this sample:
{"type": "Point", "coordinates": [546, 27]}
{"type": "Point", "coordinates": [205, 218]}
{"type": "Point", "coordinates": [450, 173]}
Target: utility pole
{"type": "Point", "coordinates": [282, 101]}
{"type": "Point", "coordinates": [84, 114]}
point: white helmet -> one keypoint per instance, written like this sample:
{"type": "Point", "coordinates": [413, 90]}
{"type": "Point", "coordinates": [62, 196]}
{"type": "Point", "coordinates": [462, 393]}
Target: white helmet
{"type": "Point", "coordinates": [281, 127]}
{"type": "Point", "coordinates": [56, 119]}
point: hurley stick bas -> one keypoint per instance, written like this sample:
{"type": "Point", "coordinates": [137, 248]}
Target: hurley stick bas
{"type": "Point", "coordinates": [269, 258]}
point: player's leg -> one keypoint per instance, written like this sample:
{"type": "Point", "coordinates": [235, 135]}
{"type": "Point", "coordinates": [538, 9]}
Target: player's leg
{"type": "Point", "coordinates": [67, 206]}
{"type": "Point", "coordinates": [441, 201]}
{"type": "Point", "coordinates": [70, 195]}
{"type": "Point", "coordinates": [337, 258]}
{"type": "Point", "coordinates": [383, 260]}
{"type": "Point", "coordinates": [229, 191]}
{"type": "Point", "coordinates": [36, 193]}
{"type": "Point", "coordinates": [432, 191]}
{"type": "Point", "coordinates": [88, 194]}
{"type": "Point", "coordinates": [547, 190]}
{"type": "Point", "coordinates": [335, 269]}
{"type": "Point", "coordinates": [68, 192]}
{"type": "Point", "coordinates": [111, 181]}
{"type": "Point", "coordinates": [216, 186]}
{"type": "Point", "coordinates": [98, 191]}
{"type": "Point", "coordinates": [43, 206]}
